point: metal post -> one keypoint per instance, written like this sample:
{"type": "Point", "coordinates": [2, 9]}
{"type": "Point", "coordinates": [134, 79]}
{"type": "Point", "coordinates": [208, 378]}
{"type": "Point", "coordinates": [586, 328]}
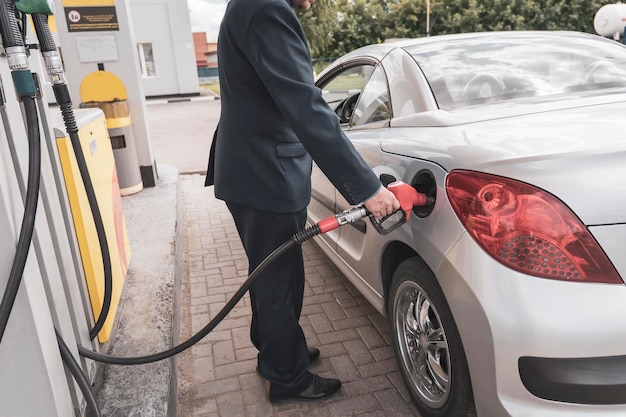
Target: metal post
{"type": "Point", "coordinates": [427, 17]}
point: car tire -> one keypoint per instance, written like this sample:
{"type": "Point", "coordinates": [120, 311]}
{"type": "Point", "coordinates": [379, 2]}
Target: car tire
{"type": "Point", "coordinates": [427, 343]}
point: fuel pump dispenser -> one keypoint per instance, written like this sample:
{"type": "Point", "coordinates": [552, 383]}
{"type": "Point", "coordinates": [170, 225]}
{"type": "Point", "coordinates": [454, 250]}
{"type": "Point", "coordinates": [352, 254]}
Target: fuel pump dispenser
{"type": "Point", "coordinates": [37, 268]}
{"type": "Point", "coordinates": [42, 330]}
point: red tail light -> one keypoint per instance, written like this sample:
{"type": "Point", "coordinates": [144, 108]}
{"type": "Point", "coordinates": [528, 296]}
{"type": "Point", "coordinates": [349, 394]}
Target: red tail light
{"type": "Point", "coordinates": [527, 229]}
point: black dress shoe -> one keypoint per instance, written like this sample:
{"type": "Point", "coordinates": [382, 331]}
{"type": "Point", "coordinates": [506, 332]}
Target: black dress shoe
{"type": "Point", "coordinates": [319, 388]}
{"type": "Point", "coordinates": [314, 354]}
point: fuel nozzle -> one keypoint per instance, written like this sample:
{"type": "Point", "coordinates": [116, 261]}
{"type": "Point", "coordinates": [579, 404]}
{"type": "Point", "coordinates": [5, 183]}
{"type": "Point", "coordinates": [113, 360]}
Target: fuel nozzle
{"type": "Point", "coordinates": [408, 197]}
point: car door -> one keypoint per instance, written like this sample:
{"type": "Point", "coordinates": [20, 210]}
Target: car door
{"type": "Point", "coordinates": [341, 88]}
{"type": "Point", "coordinates": [368, 123]}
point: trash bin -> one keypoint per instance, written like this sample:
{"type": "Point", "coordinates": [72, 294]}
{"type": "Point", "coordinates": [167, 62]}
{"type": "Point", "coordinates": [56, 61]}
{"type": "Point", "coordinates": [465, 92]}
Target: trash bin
{"type": "Point", "coordinates": [106, 91]}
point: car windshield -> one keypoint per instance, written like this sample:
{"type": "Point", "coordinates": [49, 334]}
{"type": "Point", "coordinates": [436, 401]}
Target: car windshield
{"type": "Point", "coordinates": [470, 71]}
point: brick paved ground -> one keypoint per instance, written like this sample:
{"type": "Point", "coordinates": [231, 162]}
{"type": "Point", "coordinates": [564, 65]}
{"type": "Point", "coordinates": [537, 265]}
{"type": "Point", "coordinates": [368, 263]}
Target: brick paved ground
{"type": "Point", "coordinates": [217, 376]}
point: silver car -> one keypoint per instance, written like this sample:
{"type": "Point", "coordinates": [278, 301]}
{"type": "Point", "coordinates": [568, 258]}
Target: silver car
{"type": "Point", "coordinates": [506, 295]}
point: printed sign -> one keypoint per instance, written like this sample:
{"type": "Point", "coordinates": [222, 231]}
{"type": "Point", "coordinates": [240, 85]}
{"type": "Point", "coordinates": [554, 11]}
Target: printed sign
{"type": "Point", "coordinates": [91, 19]}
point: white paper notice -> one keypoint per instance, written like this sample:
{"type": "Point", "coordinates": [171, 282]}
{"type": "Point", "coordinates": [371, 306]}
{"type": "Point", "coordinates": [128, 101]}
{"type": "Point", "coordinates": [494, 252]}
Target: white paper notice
{"type": "Point", "coordinates": [97, 49]}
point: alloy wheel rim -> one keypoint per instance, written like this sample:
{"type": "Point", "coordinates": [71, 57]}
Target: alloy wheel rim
{"type": "Point", "coordinates": [424, 349]}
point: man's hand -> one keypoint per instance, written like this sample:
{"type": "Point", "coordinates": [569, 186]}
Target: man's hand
{"type": "Point", "coordinates": [382, 204]}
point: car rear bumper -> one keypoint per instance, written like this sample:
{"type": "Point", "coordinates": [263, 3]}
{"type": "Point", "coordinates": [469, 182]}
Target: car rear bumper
{"type": "Point", "coordinates": [576, 380]}
{"type": "Point", "coordinates": [527, 339]}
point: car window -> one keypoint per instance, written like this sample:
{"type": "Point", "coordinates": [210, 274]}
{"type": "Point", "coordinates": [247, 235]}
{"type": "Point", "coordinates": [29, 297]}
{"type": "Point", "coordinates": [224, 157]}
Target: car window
{"type": "Point", "coordinates": [342, 91]}
{"type": "Point", "coordinates": [373, 104]}
{"type": "Point", "coordinates": [481, 70]}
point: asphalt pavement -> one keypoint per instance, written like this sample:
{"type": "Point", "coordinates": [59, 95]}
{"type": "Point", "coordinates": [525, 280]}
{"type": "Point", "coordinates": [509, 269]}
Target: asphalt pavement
{"type": "Point", "coordinates": [186, 262]}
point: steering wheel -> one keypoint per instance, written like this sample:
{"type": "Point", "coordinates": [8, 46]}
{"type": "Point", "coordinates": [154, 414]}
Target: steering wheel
{"type": "Point", "coordinates": [602, 68]}
{"type": "Point", "coordinates": [348, 108]}
{"type": "Point", "coordinates": [475, 85]}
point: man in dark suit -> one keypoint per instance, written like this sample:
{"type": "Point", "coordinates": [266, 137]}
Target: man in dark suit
{"type": "Point", "coordinates": [273, 121]}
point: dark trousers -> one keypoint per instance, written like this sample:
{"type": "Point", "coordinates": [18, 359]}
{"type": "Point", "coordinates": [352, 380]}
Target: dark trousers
{"type": "Point", "coordinates": [276, 297]}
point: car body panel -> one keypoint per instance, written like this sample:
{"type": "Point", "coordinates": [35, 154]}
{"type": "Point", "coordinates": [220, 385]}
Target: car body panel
{"type": "Point", "coordinates": [364, 251]}
{"type": "Point", "coordinates": [611, 239]}
{"type": "Point", "coordinates": [578, 163]}
{"type": "Point", "coordinates": [550, 150]}
{"type": "Point", "coordinates": [404, 76]}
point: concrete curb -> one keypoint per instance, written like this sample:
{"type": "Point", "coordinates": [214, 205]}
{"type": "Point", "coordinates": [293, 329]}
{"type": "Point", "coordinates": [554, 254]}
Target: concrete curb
{"type": "Point", "coordinates": [206, 95]}
{"type": "Point", "coordinates": [144, 320]}
{"type": "Point", "coordinates": [172, 405]}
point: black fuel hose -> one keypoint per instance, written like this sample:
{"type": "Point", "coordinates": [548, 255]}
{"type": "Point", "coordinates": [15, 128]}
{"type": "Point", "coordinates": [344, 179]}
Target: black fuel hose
{"type": "Point", "coordinates": [79, 376]}
{"type": "Point", "coordinates": [63, 99]}
{"type": "Point", "coordinates": [70, 123]}
{"type": "Point", "coordinates": [139, 360]}
{"type": "Point", "coordinates": [296, 239]}
{"type": "Point", "coordinates": [30, 210]}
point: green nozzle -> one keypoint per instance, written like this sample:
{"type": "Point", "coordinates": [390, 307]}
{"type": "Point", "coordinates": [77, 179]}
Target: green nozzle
{"type": "Point", "coordinates": [35, 6]}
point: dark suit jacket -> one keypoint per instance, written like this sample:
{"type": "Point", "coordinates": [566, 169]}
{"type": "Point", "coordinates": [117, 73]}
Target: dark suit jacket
{"type": "Point", "coordinates": [273, 118]}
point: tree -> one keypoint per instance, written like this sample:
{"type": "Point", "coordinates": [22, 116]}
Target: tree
{"type": "Point", "coordinates": [406, 19]}
{"type": "Point", "coordinates": [335, 27]}
{"type": "Point", "coordinates": [361, 22]}
{"type": "Point", "coordinates": [319, 24]}
{"type": "Point", "coordinates": [571, 15]}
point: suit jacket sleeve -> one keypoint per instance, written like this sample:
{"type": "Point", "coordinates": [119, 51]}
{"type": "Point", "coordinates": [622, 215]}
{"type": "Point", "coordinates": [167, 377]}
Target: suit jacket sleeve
{"type": "Point", "coordinates": [276, 46]}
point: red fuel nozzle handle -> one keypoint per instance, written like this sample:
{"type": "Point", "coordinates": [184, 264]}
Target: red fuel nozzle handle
{"type": "Point", "coordinates": [408, 197]}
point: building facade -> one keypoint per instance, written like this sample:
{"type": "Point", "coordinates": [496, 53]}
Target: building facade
{"type": "Point", "coordinates": [206, 57]}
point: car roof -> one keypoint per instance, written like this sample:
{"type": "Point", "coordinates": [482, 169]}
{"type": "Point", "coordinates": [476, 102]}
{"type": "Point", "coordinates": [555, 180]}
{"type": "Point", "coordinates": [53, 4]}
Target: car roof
{"type": "Point", "coordinates": [380, 50]}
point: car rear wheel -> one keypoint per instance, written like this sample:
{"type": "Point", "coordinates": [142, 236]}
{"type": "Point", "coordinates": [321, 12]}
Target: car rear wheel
{"type": "Point", "coordinates": [427, 344]}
